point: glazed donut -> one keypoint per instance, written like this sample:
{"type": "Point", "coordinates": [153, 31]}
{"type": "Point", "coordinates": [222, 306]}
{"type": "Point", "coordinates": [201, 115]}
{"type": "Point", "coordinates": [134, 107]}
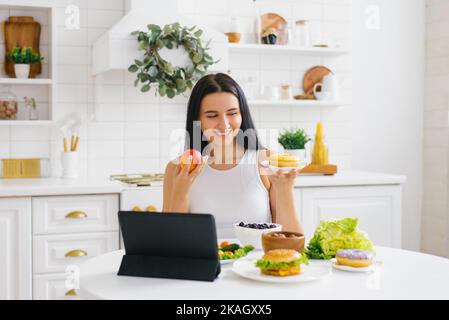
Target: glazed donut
{"type": "Point", "coordinates": [354, 258]}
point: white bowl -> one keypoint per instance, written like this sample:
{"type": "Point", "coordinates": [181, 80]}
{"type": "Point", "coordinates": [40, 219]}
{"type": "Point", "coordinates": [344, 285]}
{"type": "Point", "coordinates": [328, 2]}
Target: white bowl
{"type": "Point", "coordinates": [249, 236]}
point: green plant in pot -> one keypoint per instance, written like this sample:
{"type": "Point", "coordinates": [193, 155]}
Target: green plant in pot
{"type": "Point", "coordinates": [22, 58]}
{"type": "Point", "coordinates": [294, 141]}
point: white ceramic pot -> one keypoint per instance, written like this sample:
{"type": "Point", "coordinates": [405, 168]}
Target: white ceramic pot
{"type": "Point", "coordinates": [22, 71]}
{"type": "Point", "coordinates": [69, 165]}
{"type": "Point", "coordinates": [300, 153]}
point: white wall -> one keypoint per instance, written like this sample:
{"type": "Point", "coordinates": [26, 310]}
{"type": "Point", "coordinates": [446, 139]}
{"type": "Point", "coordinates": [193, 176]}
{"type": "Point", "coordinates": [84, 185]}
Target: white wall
{"type": "Point", "coordinates": [380, 131]}
{"type": "Point", "coordinates": [388, 76]}
{"type": "Point", "coordinates": [133, 135]}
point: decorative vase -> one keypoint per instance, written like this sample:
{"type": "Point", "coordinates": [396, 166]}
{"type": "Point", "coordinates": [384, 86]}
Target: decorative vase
{"type": "Point", "coordinates": [22, 71]}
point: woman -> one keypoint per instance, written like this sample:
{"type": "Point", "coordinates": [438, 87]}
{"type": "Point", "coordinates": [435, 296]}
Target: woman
{"type": "Point", "coordinates": [230, 182]}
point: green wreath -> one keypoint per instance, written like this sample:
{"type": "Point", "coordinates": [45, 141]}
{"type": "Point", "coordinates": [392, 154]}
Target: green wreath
{"type": "Point", "coordinates": [169, 80]}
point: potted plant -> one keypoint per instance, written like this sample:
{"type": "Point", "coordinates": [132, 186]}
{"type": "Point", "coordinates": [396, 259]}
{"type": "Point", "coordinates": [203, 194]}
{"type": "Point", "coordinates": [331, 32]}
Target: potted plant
{"type": "Point", "coordinates": [22, 58]}
{"type": "Point", "coordinates": [294, 142]}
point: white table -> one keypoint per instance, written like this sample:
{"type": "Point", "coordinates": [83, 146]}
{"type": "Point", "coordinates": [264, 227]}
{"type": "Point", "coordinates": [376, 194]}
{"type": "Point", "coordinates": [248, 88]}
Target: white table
{"type": "Point", "coordinates": [404, 275]}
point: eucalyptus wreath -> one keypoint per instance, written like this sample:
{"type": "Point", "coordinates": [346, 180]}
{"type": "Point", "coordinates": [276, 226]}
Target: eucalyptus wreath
{"type": "Point", "coordinates": [154, 71]}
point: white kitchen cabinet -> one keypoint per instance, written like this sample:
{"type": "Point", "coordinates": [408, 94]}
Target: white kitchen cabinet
{"type": "Point", "coordinates": [377, 207]}
{"type": "Point", "coordinates": [68, 230]}
{"type": "Point", "coordinates": [15, 248]}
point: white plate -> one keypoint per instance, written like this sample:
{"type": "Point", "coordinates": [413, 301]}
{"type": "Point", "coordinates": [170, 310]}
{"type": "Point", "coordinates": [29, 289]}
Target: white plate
{"type": "Point", "coordinates": [354, 269]}
{"type": "Point", "coordinates": [228, 261]}
{"type": "Point", "coordinates": [266, 164]}
{"type": "Point", "coordinates": [248, 269]}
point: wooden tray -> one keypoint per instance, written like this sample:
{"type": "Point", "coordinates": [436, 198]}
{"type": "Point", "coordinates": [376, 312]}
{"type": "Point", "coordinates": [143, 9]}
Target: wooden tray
{"type": "Point", "coordinates": [312, 76]}
{"type": "Point", "coordinates": [328, 169]}
{"type": "Point", "coordinates": [273, 20]}
{"type": "Point", "coordinates": [22, 32]}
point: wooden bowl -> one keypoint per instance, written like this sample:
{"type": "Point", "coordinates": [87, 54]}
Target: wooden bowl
{"type": "Point", "coordinates": [270, 242]}
{"type": "Point", "coordinates": [234, 37]}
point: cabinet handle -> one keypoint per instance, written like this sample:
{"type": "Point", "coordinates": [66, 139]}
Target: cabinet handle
{"type": "Point", "coordinates": [137, 209]}
{"type": "Point", "coordinates": [151, 208]}
{"type": "Point", "coordinates": [71, 293]}
{"type": "Point", "coordinates": [76, 215]}
{"type": "Point", "coordinates": [75, 253]}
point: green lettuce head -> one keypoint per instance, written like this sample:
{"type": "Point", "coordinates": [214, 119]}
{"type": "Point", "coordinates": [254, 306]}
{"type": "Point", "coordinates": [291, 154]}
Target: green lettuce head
{"type": "Point", "coordinates": [332, 236]}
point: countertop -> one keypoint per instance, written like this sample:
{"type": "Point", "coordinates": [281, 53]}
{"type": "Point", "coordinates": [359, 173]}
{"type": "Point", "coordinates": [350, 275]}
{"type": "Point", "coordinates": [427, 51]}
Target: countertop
{"type": "Point", "coordinates": [400, 274]}
{"type": "Point", "coordinates": [58, 186]}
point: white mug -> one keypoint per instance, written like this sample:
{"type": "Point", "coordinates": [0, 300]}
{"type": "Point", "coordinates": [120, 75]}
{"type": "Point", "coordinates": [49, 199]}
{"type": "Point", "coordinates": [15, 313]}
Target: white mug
{"type": "Point", "coordinates": [69, 162]}
{"type": "Point", "coordinates": [329, 84]}
{"type": "Point", "coordinates": [270, 93]}
{"type": "Point", "coordinates": [323, 95]}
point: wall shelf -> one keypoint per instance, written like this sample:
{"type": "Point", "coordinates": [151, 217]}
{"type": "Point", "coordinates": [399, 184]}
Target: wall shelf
{"type": "Point", "coordinates": [43, 89]}
{"type": "Point", "coordinates": [36, 81]}
{"type": "Point", "coordinates": [25, 122]}
{"type": "Point", "coordinates": [258, 48]}
{"type": "Point", "coordinates": [296, 103]}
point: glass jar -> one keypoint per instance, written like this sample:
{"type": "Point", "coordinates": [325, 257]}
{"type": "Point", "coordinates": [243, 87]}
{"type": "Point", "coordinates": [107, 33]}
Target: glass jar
{"type": "Point", "coordinates": [302, 33]}
{"type": "Point", "coordinates": [286, 92]}
{"type": "Point", "coordinates": [285, 34]}
{"type": "Point", "coordinates": [8, 105]}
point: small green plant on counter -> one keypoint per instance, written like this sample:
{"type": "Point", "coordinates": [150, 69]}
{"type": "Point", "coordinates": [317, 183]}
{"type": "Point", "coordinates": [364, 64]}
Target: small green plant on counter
{"type": "Point", "coordinates": [24, 55]}
{"type": "Point", "coordinates": [293, 139]}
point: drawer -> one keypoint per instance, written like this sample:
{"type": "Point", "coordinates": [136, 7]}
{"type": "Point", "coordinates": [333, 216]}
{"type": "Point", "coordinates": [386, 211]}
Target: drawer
{"type": "Point", "coordinates": [72, 214]}
{"type": "Point", "coordinates": [53, 253]}
{"type": "Point", "coordinates": [53, 287]}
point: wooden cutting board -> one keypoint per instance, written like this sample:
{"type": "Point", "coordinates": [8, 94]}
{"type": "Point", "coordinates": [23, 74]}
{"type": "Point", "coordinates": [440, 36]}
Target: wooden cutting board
{"type": "Point", "coordinates": [22, 32]}
{"type": "Point", "coordinates": [312, 76]}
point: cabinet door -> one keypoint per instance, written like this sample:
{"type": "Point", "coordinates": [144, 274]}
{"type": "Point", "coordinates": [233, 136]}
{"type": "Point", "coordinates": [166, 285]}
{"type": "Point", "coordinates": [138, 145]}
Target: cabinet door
{"type": "Point", "coordinates": [148, 199]}
{"type": "Point", "coordinates": [15, 248]}
{"type": "Point", "coordinates": [377, 207]}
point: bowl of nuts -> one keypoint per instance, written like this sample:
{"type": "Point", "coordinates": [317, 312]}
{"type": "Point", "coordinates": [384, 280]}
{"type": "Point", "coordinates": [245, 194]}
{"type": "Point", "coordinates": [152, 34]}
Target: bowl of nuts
{"type": "Point", "coordinates": [283, 240]}
{"type": "Point", "coordinates": [251, 233]}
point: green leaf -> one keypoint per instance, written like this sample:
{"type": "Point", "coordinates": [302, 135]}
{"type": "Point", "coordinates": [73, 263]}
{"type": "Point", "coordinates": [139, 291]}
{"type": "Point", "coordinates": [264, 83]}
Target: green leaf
{"type": "Point", "coordinates": [170, 93]}
{"type": "Point", "coordinates": [138, 63]}
{"type": "Point", "coordinates": [180, 84]}
{"type": "Point", "coordinates": [133, 68]}
{"type": "Point", "coordinates": [198, 33]}
{"type": "Point", "coordinates": [197, 57]}
{"type": "Point", "coordinates": [145, 88]}
{"type": "Point", "coordinates": [162, 90]}
{"type": "Point", "coordinates": [153, 71]}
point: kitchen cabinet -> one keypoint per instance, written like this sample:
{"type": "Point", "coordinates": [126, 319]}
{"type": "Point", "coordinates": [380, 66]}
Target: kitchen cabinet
{"type": "Point", "coordinates": [68, 230]}
{"type": "Point", "coordinates": [15, 248]}
{"type": "Point", "coordinates": [43, 239]}
{"type": "Point", "coordinates": [377, 207]}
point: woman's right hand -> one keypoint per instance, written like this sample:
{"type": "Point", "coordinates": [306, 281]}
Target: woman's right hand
{"type": "Point", "coordinates": [183, 180]}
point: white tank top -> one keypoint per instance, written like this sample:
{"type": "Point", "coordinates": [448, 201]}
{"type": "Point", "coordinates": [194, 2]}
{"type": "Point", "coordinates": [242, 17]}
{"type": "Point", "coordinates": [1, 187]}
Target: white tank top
{"type": "Point", "coordinates": [232, 195]}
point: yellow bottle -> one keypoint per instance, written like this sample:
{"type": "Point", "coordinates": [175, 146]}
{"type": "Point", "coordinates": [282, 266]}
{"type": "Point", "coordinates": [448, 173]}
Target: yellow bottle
{"type": "Point", "coordinates": [319, 153]}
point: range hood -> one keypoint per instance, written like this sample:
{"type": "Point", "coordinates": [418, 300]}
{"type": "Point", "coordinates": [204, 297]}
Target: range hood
{"type": "Point", "coordinates": [116, 49]}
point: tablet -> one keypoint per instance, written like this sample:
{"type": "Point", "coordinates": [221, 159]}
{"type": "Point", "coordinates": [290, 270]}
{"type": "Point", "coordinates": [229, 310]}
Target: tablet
{"type": "Point", "coordinates": [169, 245]}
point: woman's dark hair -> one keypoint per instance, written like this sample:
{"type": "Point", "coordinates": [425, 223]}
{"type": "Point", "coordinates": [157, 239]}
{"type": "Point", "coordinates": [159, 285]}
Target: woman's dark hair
{"type": "Point", "coordinates": [213, 83]}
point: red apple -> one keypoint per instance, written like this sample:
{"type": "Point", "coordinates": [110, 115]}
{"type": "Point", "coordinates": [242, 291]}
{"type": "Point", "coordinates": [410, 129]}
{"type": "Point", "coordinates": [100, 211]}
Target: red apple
{"type": "Point", "coordinates": [190, 157]}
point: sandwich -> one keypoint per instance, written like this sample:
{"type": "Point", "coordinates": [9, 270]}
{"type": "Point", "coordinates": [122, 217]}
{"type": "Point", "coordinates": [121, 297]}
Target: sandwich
{"type": "Point", "coordinates": [281, 262]}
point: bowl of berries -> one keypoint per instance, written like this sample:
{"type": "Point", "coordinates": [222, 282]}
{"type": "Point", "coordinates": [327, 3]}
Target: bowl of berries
{"type": "Point", "coordinates": [251, 233]}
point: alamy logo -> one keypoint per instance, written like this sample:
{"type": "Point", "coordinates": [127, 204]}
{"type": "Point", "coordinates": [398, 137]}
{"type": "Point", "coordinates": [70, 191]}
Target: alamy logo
{"type": "Point", "coordinates": [72, 21]}
{"type": "Point", "coordinates": [372, 21]}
